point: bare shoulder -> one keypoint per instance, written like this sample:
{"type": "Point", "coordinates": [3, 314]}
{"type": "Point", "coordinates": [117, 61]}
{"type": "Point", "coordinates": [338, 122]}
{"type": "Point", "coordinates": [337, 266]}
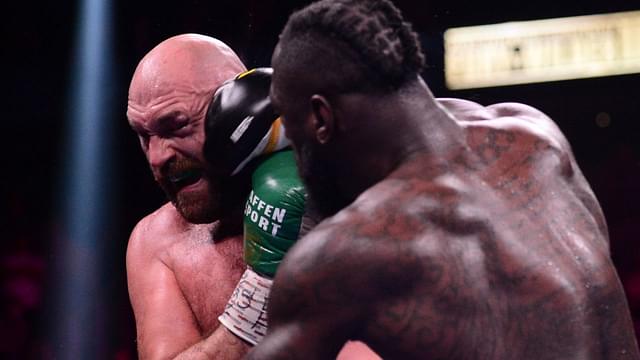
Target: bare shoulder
{"type": "Point", "coordinates": [351, 231]}
{"type": "Point", "coordinates": [466, 110]}
{"type": "Point", "coordinates": [363, 252]}
{"type": "Point", "coordinates": [156, 233]}
{"type": "Point", "coordinates": [508, 118]}
{"type": "Point", "coordinates": [530, 119]}
{"type": "Point", "coordinates": [166, 316]}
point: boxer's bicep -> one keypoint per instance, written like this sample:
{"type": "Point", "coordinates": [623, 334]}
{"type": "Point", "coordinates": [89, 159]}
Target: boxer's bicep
{"type": "Point", "coordinates": [313, 309]}
{"type": "Point", "coordinates": [164, 322]}
{"type": "Point", "coordinates": [300, 326]}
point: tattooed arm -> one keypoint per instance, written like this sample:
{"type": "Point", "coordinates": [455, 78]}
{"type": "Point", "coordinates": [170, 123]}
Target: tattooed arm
{"type": "Point", "coordinates": [330, 286]}
{"type": "Point", "coordinates": [317, 299]}
{"type": "Point", "coordinates": [310, 310]}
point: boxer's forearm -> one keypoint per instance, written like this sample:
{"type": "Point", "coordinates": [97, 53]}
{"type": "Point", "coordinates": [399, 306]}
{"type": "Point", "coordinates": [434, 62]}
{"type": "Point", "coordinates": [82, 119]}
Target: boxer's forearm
{"type": "Point", "coordinates": [222, 345]}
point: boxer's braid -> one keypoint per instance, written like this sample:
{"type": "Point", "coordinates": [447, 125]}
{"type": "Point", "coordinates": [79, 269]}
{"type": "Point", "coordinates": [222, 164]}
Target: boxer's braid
{"type": "Point", "coordinates": [386, 46]}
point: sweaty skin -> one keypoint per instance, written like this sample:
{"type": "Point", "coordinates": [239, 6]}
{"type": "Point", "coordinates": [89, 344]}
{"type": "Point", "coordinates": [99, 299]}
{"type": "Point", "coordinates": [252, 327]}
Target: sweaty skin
{"type": "Point", "coordinates": [185, 259]}
{"type": "Point", "coordinates": [480, 239]}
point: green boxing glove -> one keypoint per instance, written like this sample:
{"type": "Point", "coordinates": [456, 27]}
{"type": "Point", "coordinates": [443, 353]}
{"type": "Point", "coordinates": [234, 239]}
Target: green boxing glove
{"type": "Point", "coordinates": [273, 213]}
{"type": "Point", "coordinates": [274, 219]}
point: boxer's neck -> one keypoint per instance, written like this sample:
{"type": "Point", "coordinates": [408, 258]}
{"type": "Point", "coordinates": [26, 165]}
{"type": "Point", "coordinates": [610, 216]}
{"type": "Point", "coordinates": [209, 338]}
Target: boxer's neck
{"type": "Point", "coordinates": [398, 126]}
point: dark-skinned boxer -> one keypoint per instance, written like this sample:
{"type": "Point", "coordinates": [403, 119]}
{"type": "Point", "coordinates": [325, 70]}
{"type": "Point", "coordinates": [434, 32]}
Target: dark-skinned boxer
{"type": "Point", "coordinates": [452, 230]}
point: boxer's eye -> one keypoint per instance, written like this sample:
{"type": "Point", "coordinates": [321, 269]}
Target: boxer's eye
{"type": "Point", "coordinates": [181, 123]}
{"type": "Point", "coordinates": [168, 124]}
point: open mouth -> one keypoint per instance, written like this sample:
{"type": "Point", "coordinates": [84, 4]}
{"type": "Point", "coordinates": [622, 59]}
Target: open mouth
{"type": "Point", "coordinates": [185, 178]}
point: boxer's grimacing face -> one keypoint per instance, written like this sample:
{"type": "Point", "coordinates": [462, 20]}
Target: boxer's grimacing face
{"type": "Point", "coordinates": [168, 99]}
{"type": "Point", "coordinates": [169, 122]}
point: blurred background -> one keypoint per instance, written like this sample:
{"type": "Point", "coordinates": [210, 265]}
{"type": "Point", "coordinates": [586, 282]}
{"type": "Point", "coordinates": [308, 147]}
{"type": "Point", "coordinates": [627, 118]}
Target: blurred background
{"type": "Point", "coordinates": [75, 181]}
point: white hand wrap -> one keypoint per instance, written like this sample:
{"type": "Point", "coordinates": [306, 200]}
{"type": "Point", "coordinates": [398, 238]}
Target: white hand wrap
{"type": "Point", "coordinates": [245, 314]}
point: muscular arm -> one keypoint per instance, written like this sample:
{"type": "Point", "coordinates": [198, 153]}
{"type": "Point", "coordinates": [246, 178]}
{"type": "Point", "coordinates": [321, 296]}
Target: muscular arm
{"type": "Point", "coordinates": [304, 319]}
{"type": "Point", "coordinates": [165, 324]}
{"type": "Point", "coordinates": [323, 295]}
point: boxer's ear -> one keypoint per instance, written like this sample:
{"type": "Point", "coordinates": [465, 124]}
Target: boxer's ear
{"type": "Point", "coordinates": [323, 121]}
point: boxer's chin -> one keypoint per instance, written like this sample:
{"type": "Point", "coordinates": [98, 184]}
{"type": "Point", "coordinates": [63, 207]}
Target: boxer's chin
{"type": "Point", "coordinates": [196, 207]}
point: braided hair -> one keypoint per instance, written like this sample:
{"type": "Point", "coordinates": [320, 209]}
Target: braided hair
{"type": "Point", "coordinates": [351, 45]}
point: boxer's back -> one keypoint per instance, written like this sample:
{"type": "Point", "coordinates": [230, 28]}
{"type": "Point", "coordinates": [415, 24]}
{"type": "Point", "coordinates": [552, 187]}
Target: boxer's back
{"type": "Point", "coordinates": [498, 252]}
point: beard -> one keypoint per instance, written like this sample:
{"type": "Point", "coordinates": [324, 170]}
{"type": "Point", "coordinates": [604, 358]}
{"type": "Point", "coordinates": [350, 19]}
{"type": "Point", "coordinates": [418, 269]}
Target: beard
{"type": "Point", "coordinates": [324, 197]}
{"type": "Point", "coordinates": [199, 207]}
{"type": "Point", "coordinates": [196, 206]}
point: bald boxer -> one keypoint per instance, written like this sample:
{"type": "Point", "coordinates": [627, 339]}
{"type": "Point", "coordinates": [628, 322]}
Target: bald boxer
{"type": "Point", "coordinates": [452, 230]}
{"type": "Point", "coordinates": [181, 266]}
{"type": "Point", "coordinates": [185, 259]}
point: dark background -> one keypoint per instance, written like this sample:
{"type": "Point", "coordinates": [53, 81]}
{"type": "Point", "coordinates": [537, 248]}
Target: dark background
{"type": "Point", "coordinates": [37, 59]}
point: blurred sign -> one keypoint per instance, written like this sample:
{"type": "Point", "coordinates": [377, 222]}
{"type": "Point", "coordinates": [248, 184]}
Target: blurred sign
{"type": "Point", "coordinates": [542, 50]}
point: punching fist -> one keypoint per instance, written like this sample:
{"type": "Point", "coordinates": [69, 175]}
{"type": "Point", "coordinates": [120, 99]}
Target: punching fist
{"type": "Point", "coordinates": [273, 213]}
{"type": "Point", "coordinates": [273, 220]}
{"type": "Point", "coordinates": [240, 124]}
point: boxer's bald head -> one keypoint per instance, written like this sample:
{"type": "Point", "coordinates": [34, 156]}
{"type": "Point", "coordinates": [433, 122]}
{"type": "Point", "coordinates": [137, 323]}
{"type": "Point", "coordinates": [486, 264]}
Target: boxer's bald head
{"type": "Point", "coordinates": [168, 97]}
{"type": "Point", "coordinates": [194, 62]}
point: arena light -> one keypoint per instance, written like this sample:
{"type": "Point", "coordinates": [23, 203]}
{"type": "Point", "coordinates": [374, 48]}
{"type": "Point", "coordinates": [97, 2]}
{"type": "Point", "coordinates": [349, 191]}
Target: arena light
{"type": "Point", "coordinates": [77, 324]}
{"type": "Point", "coordinates": [542, 50]}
